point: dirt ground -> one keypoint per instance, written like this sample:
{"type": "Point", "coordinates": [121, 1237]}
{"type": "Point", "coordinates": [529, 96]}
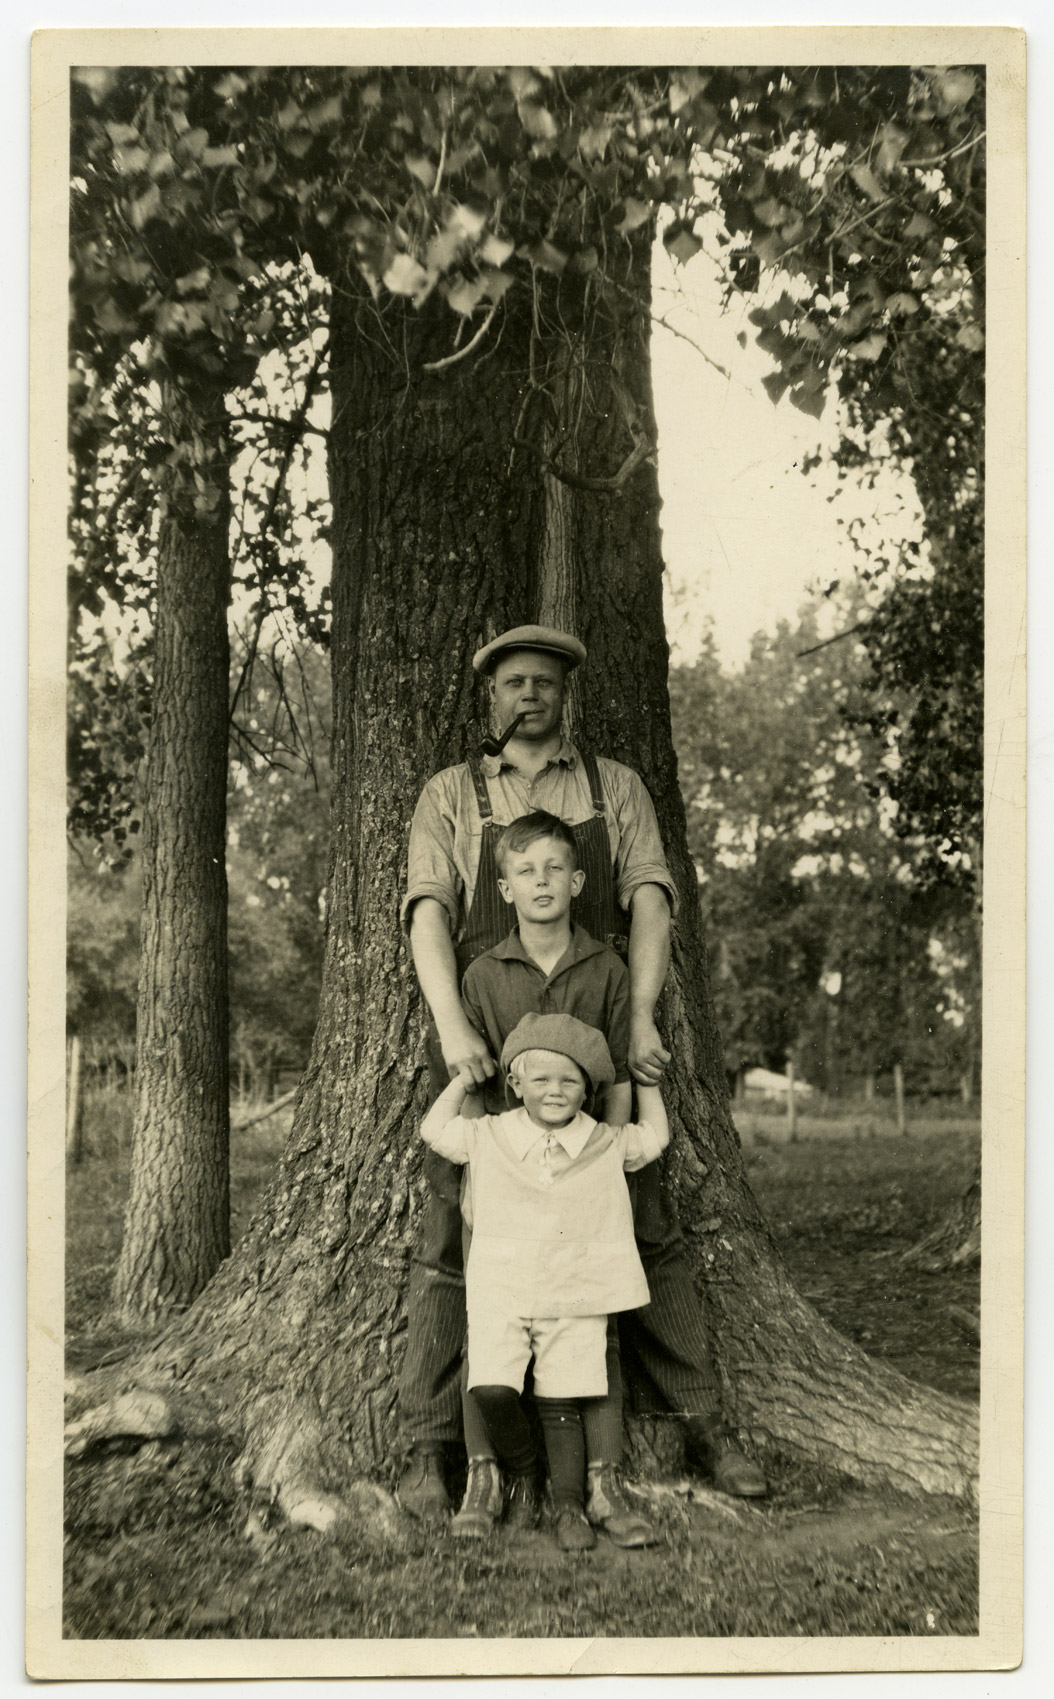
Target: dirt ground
{"type": "Point", "coordinates": [161, 1543]}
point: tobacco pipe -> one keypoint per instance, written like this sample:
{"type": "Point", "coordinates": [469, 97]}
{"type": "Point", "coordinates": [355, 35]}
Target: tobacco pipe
{"type": "Point", "coordinates": [495, 745]}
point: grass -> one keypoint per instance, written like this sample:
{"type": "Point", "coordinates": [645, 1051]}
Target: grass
{"type": "Point", "coordinates": [161, 1543]}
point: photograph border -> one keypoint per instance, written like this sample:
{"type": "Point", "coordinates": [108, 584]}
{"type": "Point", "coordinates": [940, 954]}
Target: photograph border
{"type": "Point", "coordinates": [998, 1643]}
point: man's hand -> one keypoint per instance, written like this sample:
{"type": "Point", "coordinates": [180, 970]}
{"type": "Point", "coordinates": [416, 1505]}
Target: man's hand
{"type": "Point", "coordinates": [467, 1054]}
{"type": "Point", "coordinates": [648, 1057]}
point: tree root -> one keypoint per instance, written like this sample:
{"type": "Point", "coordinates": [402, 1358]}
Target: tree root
{"type": "Point", "coordinates": [132, 1415]}
{"type": "Point", "coordinates": [288, 1459]}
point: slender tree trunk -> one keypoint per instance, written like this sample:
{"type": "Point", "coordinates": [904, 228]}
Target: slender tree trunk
{"type": "Point", "coordinates": [176, 1229]}
{"type": "Point", "coordinates": [297, 1342]}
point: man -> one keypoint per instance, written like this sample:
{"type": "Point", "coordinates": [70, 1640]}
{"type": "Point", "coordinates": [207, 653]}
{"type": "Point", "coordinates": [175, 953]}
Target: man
{"type": "Point", "coordinates": [454, 912]}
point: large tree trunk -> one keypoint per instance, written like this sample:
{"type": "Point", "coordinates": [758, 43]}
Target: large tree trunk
{"type": "Point", "coordinates": [177, 1228]}
{"type": "Point", "coordinates": [298, 1338]}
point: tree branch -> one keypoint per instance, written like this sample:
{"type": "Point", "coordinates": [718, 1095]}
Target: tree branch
{"type": "Point", "coordinates": [462, 353]}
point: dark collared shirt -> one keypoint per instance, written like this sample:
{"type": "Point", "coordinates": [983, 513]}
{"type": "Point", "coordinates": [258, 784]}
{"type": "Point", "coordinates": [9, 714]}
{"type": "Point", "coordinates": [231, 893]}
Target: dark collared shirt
{"type": "Point", "coordinates": [589, 981]}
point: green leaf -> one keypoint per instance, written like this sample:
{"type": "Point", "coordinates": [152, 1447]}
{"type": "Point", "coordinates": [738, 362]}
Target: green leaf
{"type": "Point", "coordinates": [466, 221]}
{"type": "Point", "coordinates": [464, 296]}
{"type": "Point", "coordinates": [685, 84]}
{"type": "Point", "coordinates": [405, 276]}
{"type": "Point", "coordinates": [495, 283]}
{"type": "Point", "coordinates": [215, 156]}
{"type": "Point", "coordinates": [197, 279]}
{"type": "Point", "coordinates": [593, 142]}
{"type": "Point", "coordinates": [868, 347]}
{"type": "Point", "coordinates": [636, 213]}
{"type": "Point", "coordinates": [583, 261]}
{"type": "Point", "coordinates": [771, 211]}
{"type": "Point", "coordinates": [194, 142]}
{"type": "Point", "coordinates": [230, 86]}
{"type": "Point", "coordinates": [902, 305]}
{"type": "Point", "coordinates": [421, 167]}
{"type": "Point", "coordinates": [774, 385]}
{"type": "Point", "coordinates": [892, 143]}
{"type": "Point", "coordinates": [546, 257]}
{"type": "Point", "coordinates": [538, 121]}
{"type": "Point", "coordinates": [496, 250]}
{"type": "Point", "coordinates": [443, 250]}
{"type": "Point", "coordinates": [970, 337]}
{"type": "Point", "coordinates": [954, 86]}
{"type": "Point", "coordinates": [810, 401]}
{"type": "Point", "coordinates": [129, 160]}
{"type": "Point", "coordinates": [143, 209]}
{"type": "Point", "coordinates": [683, 244]}
{"type": "Point", "coordinates": [865, 179]}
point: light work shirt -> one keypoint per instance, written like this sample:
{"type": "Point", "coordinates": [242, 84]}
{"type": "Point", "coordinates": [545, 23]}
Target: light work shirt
{"type": "Point", "coordinates": [446, 831]}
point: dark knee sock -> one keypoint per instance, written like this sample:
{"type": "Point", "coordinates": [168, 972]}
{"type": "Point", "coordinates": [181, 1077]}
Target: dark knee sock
{"type": "Point", "coordinates": [564, 1448]}
{"type": "Point", "coordinates": [602, 1417]}
{"type": "Point", "coordinates": [477, 1439]}
{"type": "Point", "coordinates": [506, 1422]}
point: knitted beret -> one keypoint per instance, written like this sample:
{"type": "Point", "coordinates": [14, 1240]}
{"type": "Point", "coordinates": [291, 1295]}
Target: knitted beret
{"type": "Point", "coordinates": [568, 1037]}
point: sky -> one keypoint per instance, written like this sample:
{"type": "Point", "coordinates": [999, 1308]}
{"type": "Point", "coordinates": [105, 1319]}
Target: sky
{"type": "Point", "coordinates": [745, 532]}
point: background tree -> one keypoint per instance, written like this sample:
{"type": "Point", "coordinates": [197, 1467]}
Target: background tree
{"type": "Point", "coordinates": [478, 480]}
{"type": "Point", "coordinates": [827, 929]}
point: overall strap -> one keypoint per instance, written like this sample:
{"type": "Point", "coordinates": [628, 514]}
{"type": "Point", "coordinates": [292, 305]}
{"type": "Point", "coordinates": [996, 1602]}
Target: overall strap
{"type": "Point", "coordinates": [596, 791]}
{"type": "Point", "coordinates": [482, 793]}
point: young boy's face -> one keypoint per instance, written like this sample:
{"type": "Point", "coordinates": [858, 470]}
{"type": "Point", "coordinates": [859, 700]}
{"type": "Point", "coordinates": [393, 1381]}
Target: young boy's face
{"type": "Point", "coordinates": [552, 1087]}
{"type": "Point", "coordinates": [540, 880]}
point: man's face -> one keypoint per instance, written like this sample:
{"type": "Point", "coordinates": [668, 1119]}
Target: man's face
{"type": "Point", "coordinates": [541, 880]}
{"type": "Point", "coordinates": [552, 1087]}
{"type": "Point", "coordinates": [532, 681]}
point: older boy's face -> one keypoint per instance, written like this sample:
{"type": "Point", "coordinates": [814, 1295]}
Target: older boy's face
{"type": "Point", "coordinates": [552, 1088]}
{"type": "Point", "coordinates": [541, 880]}
{"type": "Point", "coordinates": [532, 682]}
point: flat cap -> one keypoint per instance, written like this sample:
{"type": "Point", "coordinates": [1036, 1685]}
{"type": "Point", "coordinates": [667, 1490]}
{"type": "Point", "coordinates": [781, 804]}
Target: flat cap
{"type": "Point", "coordinates": [568, 1037]}
{"type": "Point", "coordinates": [544, 637]}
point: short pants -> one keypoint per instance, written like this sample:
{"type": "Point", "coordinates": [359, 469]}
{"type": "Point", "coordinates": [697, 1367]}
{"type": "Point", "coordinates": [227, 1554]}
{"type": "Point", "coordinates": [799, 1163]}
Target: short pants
{"type": "Point", "coordinates": [569, 1353]}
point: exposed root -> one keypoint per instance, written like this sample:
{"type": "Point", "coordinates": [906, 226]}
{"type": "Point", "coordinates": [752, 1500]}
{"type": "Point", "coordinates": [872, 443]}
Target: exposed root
{"type": "Point", "coordinates": [693, 1492]}
{"type": "Point", "coordinates": [132, 1415]}
{"type": "Point", "coordinates": [288, 1459]}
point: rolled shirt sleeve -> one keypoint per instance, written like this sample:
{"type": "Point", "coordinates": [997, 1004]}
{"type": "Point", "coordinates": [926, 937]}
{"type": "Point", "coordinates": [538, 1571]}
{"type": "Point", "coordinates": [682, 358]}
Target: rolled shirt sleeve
{"type": "Point", "coordinates": [639, 1144]}
{"type": "Point", "coordinates": [639, 858]}
{"type": "Point", "coordinates": [455, 1140]}
{"type": "Point", "coordinates": [431, 868]}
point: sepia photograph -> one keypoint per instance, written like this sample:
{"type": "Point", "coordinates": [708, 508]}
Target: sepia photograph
{"type": "Point", "coordinates": [526, 678]}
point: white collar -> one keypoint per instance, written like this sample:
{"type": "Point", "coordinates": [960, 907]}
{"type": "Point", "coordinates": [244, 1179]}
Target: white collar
{"type": "Point", "coordinates": [523, 1134]}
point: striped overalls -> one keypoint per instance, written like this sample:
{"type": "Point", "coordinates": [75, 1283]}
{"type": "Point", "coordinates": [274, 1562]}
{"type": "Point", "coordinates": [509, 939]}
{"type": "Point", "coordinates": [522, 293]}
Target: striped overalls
{"type": "Point", "coordinates": [667, 1338]}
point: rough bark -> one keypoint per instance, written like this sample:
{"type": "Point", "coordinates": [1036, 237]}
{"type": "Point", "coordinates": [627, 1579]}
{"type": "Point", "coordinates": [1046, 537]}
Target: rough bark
{"type": "Point", "coordinates": [955, 1242]}
{"type": "Point", "coordinates": [297, 1341]}
{"type": "Point", "coordinates": [176, 1229]}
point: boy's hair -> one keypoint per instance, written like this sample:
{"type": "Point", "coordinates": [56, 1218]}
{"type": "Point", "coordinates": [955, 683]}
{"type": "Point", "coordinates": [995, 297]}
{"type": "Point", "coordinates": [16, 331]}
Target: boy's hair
{"type": "Point", "coordinates": [528, 829]}
{"type": "Point", "coordinates": [525, 1060]}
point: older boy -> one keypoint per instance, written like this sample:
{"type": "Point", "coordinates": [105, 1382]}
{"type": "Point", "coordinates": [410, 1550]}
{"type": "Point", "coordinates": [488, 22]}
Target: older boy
{"type": "Point", "coordinates": [552, 1251]}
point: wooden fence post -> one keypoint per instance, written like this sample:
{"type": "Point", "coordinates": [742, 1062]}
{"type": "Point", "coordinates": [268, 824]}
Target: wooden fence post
{"type": "Point", "coordinates": [74, 1118]}
{"type": "Point", "coordinates": [792, 1118]}
{"type": "Point", "coordinates": [898, 1092]}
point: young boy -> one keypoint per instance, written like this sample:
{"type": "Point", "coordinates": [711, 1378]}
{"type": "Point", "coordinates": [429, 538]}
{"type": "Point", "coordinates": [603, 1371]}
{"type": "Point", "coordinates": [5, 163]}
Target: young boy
{"type": "Point", "coordinates": [548, 966]}
{"type": "Point", "coordinates": [552, 1252]}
